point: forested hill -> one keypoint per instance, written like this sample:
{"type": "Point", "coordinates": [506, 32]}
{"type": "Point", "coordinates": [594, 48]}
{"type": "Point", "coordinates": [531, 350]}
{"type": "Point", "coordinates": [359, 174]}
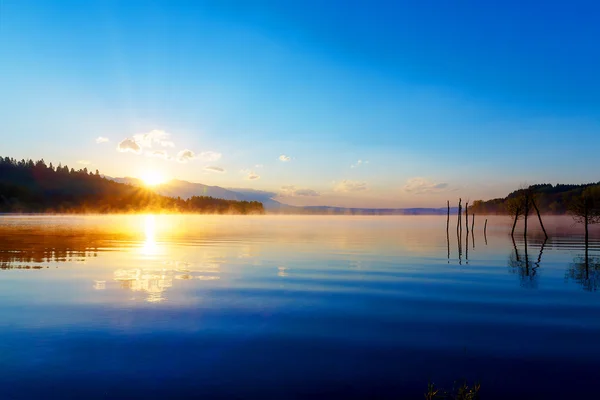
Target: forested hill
{"type": "Point", "coordinates": [28, 186]}
{"type": "Point", "coordinates": [551, 199]}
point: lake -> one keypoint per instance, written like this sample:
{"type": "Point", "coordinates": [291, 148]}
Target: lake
{"type": "Point", "coordinates": [286, 307]}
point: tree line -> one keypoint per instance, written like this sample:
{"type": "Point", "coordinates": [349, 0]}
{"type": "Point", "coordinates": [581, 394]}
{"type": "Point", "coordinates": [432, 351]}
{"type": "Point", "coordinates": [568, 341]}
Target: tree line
{"type": "Point", "coordinates": [35, 187]}
{"type": "Point", "coordinates": [582, 202]}
{"type": "Point", "coordinates": [550, 199]}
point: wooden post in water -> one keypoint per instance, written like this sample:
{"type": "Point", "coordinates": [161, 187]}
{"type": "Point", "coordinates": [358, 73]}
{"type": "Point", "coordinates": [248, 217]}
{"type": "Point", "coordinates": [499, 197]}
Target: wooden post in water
{"type": "Point", "coordinates": [485, 231]}
{"type": "Point", "coordinates": [448, 230]}
{"type": "Point", "coordinates": [467, 217]}
{"type": "Point", "coordinates": [472, 222]}
{"type": "Point", "coordinates": [458, 222]}
{"type": "Point", "coordinates": [539, 217]}
{"type": "Point", "coordinates": [448, 220]}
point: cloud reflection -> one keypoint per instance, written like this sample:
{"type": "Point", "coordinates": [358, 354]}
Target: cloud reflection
{"type": "Point", "coordinates": [152, 283]}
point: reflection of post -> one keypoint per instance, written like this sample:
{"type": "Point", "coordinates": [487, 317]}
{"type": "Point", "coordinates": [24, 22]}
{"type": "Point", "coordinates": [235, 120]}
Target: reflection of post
{"type": "Point", "coordinates": [467, 248]}
{"type": "Point", "coordinates": [516, 250]}
{"type": "Point", "coordinates": [472, 222]}
{"type": "Point", "coordinates": [459, 248]}
{"type": "Point", "coordinates": [448, 240]}
{"type": "Point", "coordinates": [473, 237]}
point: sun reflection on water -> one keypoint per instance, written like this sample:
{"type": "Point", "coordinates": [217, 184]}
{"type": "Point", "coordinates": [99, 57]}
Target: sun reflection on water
{"type": "Point", "coordinates": [150, 248]}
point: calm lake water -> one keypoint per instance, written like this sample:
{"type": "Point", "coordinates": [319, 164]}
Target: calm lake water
{"type": "Point", "coordinates": [294, 307]}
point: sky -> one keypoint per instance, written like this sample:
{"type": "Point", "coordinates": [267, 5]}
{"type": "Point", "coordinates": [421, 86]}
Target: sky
{"type": "Point", "coordinates": [345, 103]}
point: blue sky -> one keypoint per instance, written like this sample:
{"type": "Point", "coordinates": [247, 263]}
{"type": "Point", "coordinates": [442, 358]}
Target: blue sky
{"type": "Point", "coordinates": [443, 99]}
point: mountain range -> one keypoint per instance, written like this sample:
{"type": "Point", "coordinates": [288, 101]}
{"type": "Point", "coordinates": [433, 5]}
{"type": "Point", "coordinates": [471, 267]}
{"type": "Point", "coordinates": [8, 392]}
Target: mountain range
{"type": "Point", "coordinates": [185, 190]}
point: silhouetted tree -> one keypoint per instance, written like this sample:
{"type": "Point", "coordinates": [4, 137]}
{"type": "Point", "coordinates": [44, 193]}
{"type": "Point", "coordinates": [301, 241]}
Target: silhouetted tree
{"type": "Point", "coordinates": [585, 208]}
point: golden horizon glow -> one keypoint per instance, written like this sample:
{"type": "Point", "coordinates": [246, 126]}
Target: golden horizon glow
{"type": "Point", "coordinates": [152, 178]}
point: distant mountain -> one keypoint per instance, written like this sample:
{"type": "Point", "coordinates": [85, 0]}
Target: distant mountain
{"type": "Point", "coordinates": [127, 180]}
{"type": "Point", "coordinates": [266, 198]}
{"type": "Point", "coordinates": [375, 211]}
{"type": "Point", "coordinates": [185, 190]}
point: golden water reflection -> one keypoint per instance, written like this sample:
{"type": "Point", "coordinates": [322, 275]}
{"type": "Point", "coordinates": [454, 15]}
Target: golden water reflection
{"type": "Point", "coordinates": [149, 256]}
{"type": "Point", "coordinates": [150, 248]}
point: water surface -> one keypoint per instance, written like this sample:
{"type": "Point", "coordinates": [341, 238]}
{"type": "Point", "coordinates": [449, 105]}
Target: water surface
{"type": "Point", "coordinates": [294, 307]}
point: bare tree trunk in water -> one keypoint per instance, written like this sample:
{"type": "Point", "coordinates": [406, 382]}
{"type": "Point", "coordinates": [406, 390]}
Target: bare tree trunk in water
{"type": "Point", "coordinates": [472, 222]}
{"type": "Point", "coordinates": [526, 214]}
{"type": "Point", "coordinates": [539, 217]}
{"type": "Point", "coordinates": [515, 223]}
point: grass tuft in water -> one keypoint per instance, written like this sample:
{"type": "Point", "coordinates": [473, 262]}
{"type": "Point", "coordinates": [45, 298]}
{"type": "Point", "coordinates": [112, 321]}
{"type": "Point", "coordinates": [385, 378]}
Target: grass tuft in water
{"type": "Point", "coordinates": [462, 392]}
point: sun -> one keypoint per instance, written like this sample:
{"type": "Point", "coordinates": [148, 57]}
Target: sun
{"type": "Point", "coordinates": [152, 178]}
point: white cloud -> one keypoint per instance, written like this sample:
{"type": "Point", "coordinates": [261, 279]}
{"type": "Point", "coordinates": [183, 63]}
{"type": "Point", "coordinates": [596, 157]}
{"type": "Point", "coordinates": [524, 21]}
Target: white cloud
{"type": "Point", "coordinates": [155, 136]}
{"type": "Point", "coordinates": [129, 145]}
{"type": "Point", "coordinates": [350, 186]}
{"type": "Point", "coordinates": [291, 191]}
{"type": "Point", "coordinates": [250, 175]}
{"type": "Point", "coordinates": [258, 166]}
{"type": "Point", "coordinates": [210, 156]}
{"type": "Point", "coordinates": [359, 163]}
{"type": "Point", "coordinates": [102, 139]}
{"type": "Point", "coordinates": [307, 192]}
{"type": "Point", "coordinates": [214, 169]}
{"type": "Point", "coordinates": [84, 162]}
{"type": "Point", "coordinates": [185, 155]}
{"type": "Point", "coordinates": [159, 153]}
{"type": "Point", "coordinates": [284, 158]}
{"type": "Point", "coordinates": [421, 185]}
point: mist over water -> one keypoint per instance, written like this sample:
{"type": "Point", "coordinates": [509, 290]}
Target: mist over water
{"type": "Point", "coordinates": [294, 306]}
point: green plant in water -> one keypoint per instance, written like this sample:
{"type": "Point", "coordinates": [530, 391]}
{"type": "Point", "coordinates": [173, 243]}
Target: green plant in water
{"type": "Point", "coordinates": [463, 392]}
